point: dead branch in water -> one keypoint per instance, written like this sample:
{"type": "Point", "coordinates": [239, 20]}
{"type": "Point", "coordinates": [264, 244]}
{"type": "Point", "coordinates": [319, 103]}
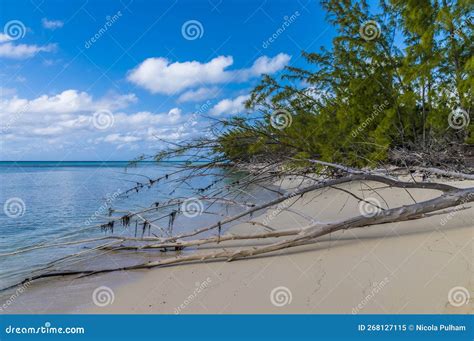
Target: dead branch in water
{"type": "Point", "coordinates": [309, 233]}
{"type": "Point", "coordinates": [451, 197]}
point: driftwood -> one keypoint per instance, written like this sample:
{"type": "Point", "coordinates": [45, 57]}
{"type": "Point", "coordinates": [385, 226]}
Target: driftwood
{"type": "Point", "coordinates": [254, 208]}
{"type": "Point", "coordinates": [450, 198]}
{"type": "Point", "coordinates": [180, 245]}
{"type": "Point", "coordinates": [442, 172]}
{"type": "Point", "coordinates": [309, 233]}
{"type": "Point", "coordinates": [356, 177]}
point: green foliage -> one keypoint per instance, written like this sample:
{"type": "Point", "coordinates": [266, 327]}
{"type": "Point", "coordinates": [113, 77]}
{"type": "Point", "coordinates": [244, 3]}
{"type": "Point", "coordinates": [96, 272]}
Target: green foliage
{"type": "Point", "coordinates": [354, 103]}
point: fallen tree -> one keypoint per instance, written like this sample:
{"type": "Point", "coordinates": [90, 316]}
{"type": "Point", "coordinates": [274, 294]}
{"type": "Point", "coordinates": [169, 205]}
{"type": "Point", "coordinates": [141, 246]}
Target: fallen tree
{"type": "Point", "coordinates": [450, 198]}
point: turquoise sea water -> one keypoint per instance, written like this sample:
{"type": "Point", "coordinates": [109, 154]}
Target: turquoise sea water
{"type": "Point", "coordinates": [45, 201]}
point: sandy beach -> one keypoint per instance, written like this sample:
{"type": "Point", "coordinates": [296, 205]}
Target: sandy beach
{"type": "Point", "coordinates": [408, 267]}
{"type": "Point", "coordinates": [237, 170]}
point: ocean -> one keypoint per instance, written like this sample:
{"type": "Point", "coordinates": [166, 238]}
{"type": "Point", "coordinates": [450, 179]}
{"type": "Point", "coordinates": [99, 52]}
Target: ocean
{"type": "Point", "coordinates": [55, 202]}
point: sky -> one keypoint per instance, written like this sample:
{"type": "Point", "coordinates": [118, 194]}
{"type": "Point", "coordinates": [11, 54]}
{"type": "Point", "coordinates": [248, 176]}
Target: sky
{"type": "Point", "coordinates": [110, 80]}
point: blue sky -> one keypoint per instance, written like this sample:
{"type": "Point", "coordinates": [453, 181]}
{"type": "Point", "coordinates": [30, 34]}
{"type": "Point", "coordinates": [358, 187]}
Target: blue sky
{"type": "Point", "coordinates": [106, 80]}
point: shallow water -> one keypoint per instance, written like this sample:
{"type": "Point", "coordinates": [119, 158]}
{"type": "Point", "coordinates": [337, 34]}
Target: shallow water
{"type": "Point", "coordinates": [46, 201]}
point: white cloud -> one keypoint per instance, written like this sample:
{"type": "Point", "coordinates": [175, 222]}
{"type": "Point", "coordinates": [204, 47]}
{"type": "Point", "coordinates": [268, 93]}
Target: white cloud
{"type": "Point", "coordinates": [269, 65]}
{"type": "Point", "coordinates": [44, 123]}
{"type": "Point", "coordinates": [159, 75]}
{"type": "Point", "coordinates": [4, 37]}
{"type": "Point", "coordinates": [146, 118]}
{"type": "Point", "coordinates": [199, 94]}
{"type": "Point", "coordinates": [52, 24]}
{"type": "Point", "coordinates": [48, 131]}
{"type": "Point", "coordinates": [21, 51]}
{"type": "Point", "coordinates": [68, 101]}
{"type": "Point", "coordinates": [230, 106]}
{"type": "Point", "coordinates": [118, 138]}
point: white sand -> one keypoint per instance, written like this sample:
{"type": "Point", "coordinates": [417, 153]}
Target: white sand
{"type": "Point", "coordinates": [407, 267]}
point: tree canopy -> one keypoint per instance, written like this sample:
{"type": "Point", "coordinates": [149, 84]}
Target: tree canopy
{"type": "Point", "coordinates": [398, 79]}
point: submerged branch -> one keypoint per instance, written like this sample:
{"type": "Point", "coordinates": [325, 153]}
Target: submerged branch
{"type": "Point", "coordinates": [451, 197]}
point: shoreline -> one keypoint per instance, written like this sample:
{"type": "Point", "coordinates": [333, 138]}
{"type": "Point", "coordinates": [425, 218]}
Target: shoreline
{"type": "Point", "coordinates": [407, 267]}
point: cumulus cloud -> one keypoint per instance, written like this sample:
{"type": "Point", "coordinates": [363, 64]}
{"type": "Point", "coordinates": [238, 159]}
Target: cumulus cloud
{"type": "Point", "coordinates": [229, 106]}
{"type": "Point", "coordinates": [21, 51]}
{"type": "Point", "coordinates": [199, 94]}
{"type": "Point", "coordinates": [68, 111]}
{"type": "Point", "coordinates": [268, 65]}
{"type": "Point", "coordinates": [117, 138]}
{"type": "Point", "coordinates": [51, 24]}
{"type": "Point", "coordinates": [66, 120]}
{"type": "Point", "coordinates": [4, 37]}
{"type": "Point", "coordinates": [48, 131]}
{"type": "Point", "coordinates": [146, 118]}
{"type": "Point", "coordinates": [160, 75]}
{"type": "Point", "coordinates": [68, 101]}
